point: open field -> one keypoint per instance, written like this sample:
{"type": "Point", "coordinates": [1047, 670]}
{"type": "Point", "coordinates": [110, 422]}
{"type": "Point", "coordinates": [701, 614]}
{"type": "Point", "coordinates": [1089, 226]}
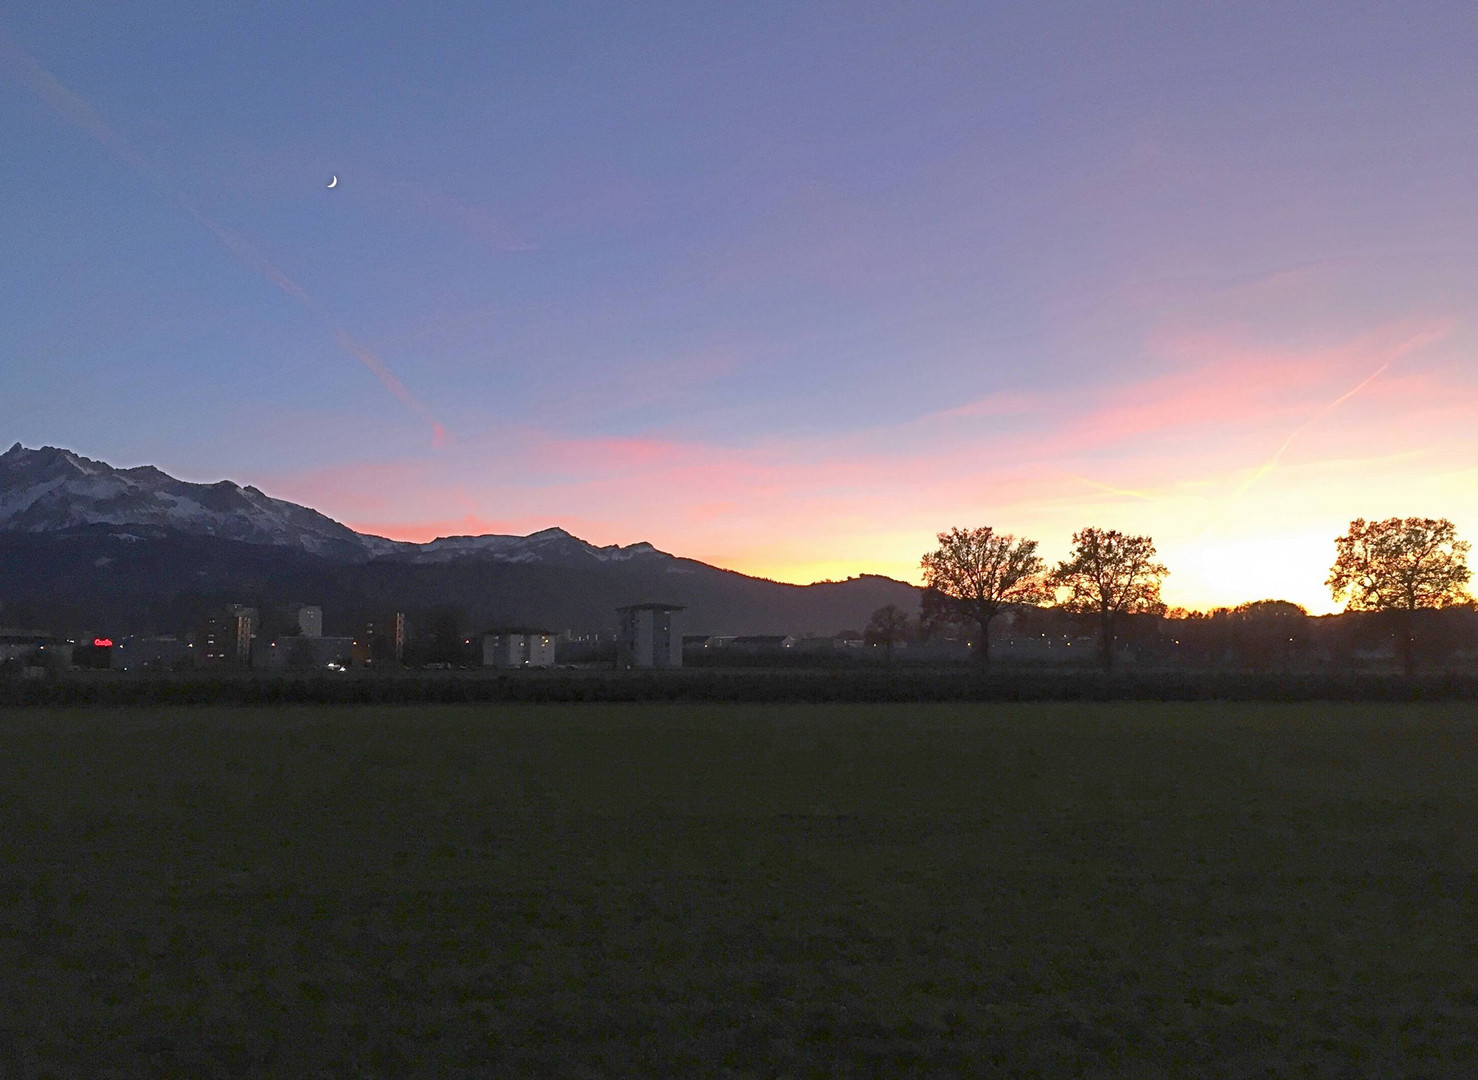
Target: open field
{"type": "Point", "coordinates": [1151, 890]}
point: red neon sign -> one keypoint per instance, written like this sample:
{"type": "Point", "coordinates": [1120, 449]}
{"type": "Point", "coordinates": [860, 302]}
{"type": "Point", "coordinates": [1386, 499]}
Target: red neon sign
{"type": "Point", "coordinates": [102, 642]}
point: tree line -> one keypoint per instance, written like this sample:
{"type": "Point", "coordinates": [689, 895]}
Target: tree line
{"type": "Point", "coordinates": [1399, 566]}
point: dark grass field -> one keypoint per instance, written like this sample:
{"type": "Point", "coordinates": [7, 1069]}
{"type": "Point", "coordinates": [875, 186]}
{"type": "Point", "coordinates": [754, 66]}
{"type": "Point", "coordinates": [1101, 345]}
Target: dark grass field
{"type": "Point", "coordinates": [688, 890]}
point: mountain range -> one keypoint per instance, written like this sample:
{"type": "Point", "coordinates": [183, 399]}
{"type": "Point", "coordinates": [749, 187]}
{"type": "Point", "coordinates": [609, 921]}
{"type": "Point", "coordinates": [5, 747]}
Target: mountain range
{"type": "Point", "coordinates": [91, 548]}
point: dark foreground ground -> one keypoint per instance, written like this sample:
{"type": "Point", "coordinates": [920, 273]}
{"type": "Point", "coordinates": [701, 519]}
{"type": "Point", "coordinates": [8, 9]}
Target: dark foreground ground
{"type": "Point", "coordinates": [698, 890]}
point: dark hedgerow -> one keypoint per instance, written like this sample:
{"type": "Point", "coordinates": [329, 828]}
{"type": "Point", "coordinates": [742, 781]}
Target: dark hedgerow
{"type": "Point", "coordinates": [840, 685]}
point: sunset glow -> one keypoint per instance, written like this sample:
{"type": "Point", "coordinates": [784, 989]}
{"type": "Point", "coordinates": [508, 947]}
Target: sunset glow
{"type": "Point", "coordinates": [786, 302]}
{"type": "Point", "coordinates": [776, 538]}
{"type": "Point", "coordinates": [1243, 464]}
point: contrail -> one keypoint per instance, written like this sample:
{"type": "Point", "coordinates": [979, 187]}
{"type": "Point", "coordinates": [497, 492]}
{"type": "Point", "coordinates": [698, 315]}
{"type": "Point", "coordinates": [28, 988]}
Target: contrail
{"type": "Point", "coordinates": [26, 70]}
{"type": "Point", "coordinates": [1130, 492]}
{"type": "Point", "coordinates": [1272, 463]}
{"type": "Point", "coordinates": [250, 256]}
{"type": "Point", "coordinates": [368, 358]}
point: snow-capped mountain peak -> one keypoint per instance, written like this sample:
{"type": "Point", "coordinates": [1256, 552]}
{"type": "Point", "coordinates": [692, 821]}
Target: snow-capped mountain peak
{"type": "Point", "coordinates": [51, 489]}
{"type": "Point", "coordinates": [54, 489]}
{"type": "Point", "coordinates": [553, 545]}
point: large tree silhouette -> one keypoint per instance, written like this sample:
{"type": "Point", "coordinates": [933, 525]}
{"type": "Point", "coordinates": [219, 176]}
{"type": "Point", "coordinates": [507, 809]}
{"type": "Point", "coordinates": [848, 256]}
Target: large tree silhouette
{"type": "Point", "coordinates": [1400, 565]}
{"type": "Point", "coordinates": [1109, 575]}
{"type": "Point", "coordinates": [976, 574]}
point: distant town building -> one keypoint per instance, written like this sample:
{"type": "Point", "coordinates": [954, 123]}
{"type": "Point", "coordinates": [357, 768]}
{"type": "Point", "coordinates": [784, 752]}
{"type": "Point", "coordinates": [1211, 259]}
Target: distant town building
{"type": "Point", "coordinates": [245, 623]}
{"type": "Point", "coordinates": [383, 641]}
{"type": "Point", "coordinates": [587, 646]}
{"type": "Point", "coordinates": [227, 638]}
{"type": "Point", "coordinates": [588, 637]}
{"type": "Point", "coordinates": [34, 648]}
{"type": "Point", "coordinates": [518, 647]}
{"type": "Point", "coordinates": [162, 653]}
{"type": "Point", "coordinates": [310, 620]}
{"type": "Point", "coordinates": [96, 654]}
{"type": "Point", "coordinates": [648, 636]}
{"type": "Point", "coordinates": [20, 645]}
{"type": "Point", "coordinates": [762, 642]}
{"type": "Point", "coordinates": [302, 653]}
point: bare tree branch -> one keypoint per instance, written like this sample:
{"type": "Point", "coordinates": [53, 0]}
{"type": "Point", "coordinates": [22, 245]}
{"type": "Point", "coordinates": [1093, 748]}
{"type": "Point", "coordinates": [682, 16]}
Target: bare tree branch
{"type": "Point", "coordinates": [1109, 574]}
{"type": "Point", "coordinates": [1401, 565]}
{"type": "Point", "coordinates": [976, 574]}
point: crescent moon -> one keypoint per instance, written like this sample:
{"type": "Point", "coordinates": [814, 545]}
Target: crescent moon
{"type": "Point", "coordinates": [334, 182]}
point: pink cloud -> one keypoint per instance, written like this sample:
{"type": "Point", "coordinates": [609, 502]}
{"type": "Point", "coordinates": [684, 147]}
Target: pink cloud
{"type": "Point", "coordinates": [994, 405]}
{"type": "Point", "coordinates": [1170, 454]}
{"type": "Point", "coordinates": [641, 383]}
{"type": "Point", "coordinates": [356, 489]}
{"type": "Point", "coordinates": [610, 454]}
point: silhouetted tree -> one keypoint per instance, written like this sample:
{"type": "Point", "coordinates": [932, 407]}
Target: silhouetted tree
{"type": "Point", "coordinates": [976, 574]}
{"type": "Point", "coordinates": [1400, 565]}
{"type": "Point", "coordinates": [933, 615]}
{"type": "Point", "coordinates": [887, 626]}
{"type": "Point", "coordinates": [1109, 575]}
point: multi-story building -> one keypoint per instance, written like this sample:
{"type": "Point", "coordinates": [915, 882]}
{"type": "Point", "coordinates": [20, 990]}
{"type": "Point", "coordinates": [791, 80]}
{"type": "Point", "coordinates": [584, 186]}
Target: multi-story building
{"type": "Point", "coordinates": [300, 652]}
{"type": "Point", "coordinates": [383, 641]}
{"type": "Point", "coordinates": [227, 638]}
{"type": "Point", "coordinates": [158, 653]}
{"type": "Point", "coordinates": [310, 620]}
{"type": "Point", "coordinates": [648, 636]}
{"type": "Point", "coordinates": [34, 648]}
{"type": "Point", "coordinates": [518, 647]}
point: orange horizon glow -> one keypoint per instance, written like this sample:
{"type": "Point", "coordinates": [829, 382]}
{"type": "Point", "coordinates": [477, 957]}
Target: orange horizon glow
{"type": "Point", "coordinates": [1242, 463]}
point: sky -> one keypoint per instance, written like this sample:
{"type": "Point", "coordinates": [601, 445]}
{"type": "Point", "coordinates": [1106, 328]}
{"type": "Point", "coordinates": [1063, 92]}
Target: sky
{"type": "Point", "coordinates": [789, 288]}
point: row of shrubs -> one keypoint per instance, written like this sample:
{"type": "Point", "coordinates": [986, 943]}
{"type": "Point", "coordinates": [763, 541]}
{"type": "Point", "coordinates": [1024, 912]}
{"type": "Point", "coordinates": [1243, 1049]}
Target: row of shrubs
{"type": "Point", "coordinates": [841, 686]}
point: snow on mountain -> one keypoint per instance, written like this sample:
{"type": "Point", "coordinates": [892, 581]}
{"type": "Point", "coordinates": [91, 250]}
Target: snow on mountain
{"type": "Point", "coordinates": [546, 546]}
{"type": "Point", "coordinates": [52, 489]}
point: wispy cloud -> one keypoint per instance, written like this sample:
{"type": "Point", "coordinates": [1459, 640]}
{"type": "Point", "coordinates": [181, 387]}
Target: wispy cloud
{"type": "Point", "coordinates": [468, 219]}
{"type": "Point", "coordinates": [26, 70]}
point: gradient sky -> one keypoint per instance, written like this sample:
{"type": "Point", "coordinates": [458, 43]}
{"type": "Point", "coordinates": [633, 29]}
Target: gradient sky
{"type": "Point", "coordinates": [786, 287]}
